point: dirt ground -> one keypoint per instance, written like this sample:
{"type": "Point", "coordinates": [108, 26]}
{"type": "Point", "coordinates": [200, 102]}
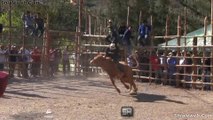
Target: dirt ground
{"type": "Point", "coordinates": [72, 98]}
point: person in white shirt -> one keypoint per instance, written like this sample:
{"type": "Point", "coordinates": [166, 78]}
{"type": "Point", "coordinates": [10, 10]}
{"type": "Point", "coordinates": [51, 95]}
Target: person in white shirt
{"type": "Point", "coordinates": [24, 57]}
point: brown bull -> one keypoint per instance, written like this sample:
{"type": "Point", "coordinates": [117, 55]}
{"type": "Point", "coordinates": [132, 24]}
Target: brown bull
{"type": "Point", "coordinates": [112, 70]}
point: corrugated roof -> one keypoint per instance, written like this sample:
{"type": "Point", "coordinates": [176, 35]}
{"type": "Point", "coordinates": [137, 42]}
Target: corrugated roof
{"type": "Point", "coordinates": [189, 41]}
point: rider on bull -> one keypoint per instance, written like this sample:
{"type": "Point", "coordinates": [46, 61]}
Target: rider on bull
{"type": "Point", "coordinates": [113, 50]}
{"type": "Point", "coordinates": [113, 53]}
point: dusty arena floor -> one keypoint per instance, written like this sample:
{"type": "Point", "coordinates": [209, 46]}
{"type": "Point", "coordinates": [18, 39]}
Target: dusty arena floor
{"type": "Point", "coordinates": [68, 98]}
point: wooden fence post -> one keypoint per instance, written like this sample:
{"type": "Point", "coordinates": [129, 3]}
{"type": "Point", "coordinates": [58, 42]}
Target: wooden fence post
{"type": "Point", "coordinates": [204, 51]}
{"type": "Point", "coordinates": [166, 51]}
{"type": "Point", "coordinates": [178, 50]}
{"type": "Point", "coordinates": [127, 19]}
{"type": "Point", "coordinates": [194, 59]}
{"type": "Point", "coordinates": [211, 44]}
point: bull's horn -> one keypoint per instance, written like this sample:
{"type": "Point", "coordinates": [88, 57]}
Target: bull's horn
{"type": "Point", "coordinates": [91, 61]}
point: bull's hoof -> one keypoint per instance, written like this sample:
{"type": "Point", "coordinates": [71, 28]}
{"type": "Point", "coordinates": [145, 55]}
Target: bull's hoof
{"type": "Point", "coordinates": [133, 93]}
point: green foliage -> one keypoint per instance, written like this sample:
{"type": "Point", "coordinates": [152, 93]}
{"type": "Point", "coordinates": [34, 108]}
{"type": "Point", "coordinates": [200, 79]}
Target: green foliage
{"type": "Point", "coordinates": [15, 17]}
{"type": "Point", "coordinates": [4, 19]}
{"type": "Point", "coordinates": [117, 10]}
{"type": "Point", "coordinates": [159, 9]}
{"type": "Point", "coordinates": [63, 16]}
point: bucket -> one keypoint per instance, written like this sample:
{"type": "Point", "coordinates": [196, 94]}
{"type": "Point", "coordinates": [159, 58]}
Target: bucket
{"type": "Point", "coordinates": [3, 82]}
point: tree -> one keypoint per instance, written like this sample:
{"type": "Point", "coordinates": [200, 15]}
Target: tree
{"type": "Point", "coordinates": [159, 9]}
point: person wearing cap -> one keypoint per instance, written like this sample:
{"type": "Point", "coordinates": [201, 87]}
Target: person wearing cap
{"type": "Point", "coordinates": [112, 35]}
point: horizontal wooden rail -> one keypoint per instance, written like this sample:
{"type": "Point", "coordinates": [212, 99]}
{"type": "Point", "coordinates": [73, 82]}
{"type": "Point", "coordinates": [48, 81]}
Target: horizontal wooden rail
{"type": "Point", "coordinates": [63, 31]}
{"type": "Point", "coordinates": [95, 36]}
{"type": "Point", "coordinates": [197, 82]}
{"type": "Point", "coordinates": [95, 45]}
{"type": "Point", "coordinates": [176, 36]}
{"type": "Point", "coordinates": [93, 53]}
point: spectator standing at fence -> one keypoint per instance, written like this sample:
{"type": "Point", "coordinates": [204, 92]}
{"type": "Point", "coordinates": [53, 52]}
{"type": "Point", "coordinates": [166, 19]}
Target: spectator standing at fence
{"type": "Point", "coordinates": [39, 30]}
{"type": "Point", "coordinates": [12, 59]}
{"type": "Point", "coordinates": [154, 61]}
{"type": "Point", "coordinates": [189, 68]}
{"type": "Point", "coordinates": [28, 20]}
{"type": "Point", "coordinates": [27, 60]}
{"type": "Point", "coordinates": [144, 60]}
{"type": "Point", "coordinates": [127, 40]}
{"type": "Point", "coordinates": [58, 56]}
{"type": "Point", "coordinates": [122, 28]}
{"type": "Point", "coordinates": [144, 34]}
{"type": "Point", "coordinates": [163, 61]}
{"type": "Point", "coordinates": [163, 64]}
{"type": "Point", "coordinates": [52, 65]}
{"type": "Point", "coordinates": [66, 61]}
{"type": "Point", "coordinates": [207, 71]}
{"type": "Point", "coordinates": [2, 57]}
{"type": "Point", "coordinates": [36, 62]}
{"type": "Point", "coordinates": [182, 61]}
{"type": "Point", "coordinates": [172, 62]}
{"type": "Point", "coordinates": [23, 62]}
{"type": "Point", "coordinates": [19, 63]}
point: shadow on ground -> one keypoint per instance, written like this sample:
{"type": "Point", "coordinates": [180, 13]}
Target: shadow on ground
{"type": "Point", "coordinates": [31, 116]}
{"type": "Point", "coordinates": [144, 97]}
{"type": "Point", "coordinates": [25, 94]}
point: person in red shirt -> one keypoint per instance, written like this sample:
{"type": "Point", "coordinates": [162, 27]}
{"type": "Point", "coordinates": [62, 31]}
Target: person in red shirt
{"type": "Point", "coordinates": [154, 61]}
{"type": "Point", "coordinates": [36, 62]}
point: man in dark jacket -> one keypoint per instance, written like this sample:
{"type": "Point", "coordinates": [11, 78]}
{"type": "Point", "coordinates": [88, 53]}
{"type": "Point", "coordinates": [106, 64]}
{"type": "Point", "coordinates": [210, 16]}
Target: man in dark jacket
{"type": "Point", "coordinates": [126, 40]}
{"type": "Point", "coordinates": [112, 36]}
{"type": "Point", "coordinates": [39, 25]}
{"type": "Point", "coordinates": [144, 34]}
{"type": "Point", "coordinates": [12, 59]}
